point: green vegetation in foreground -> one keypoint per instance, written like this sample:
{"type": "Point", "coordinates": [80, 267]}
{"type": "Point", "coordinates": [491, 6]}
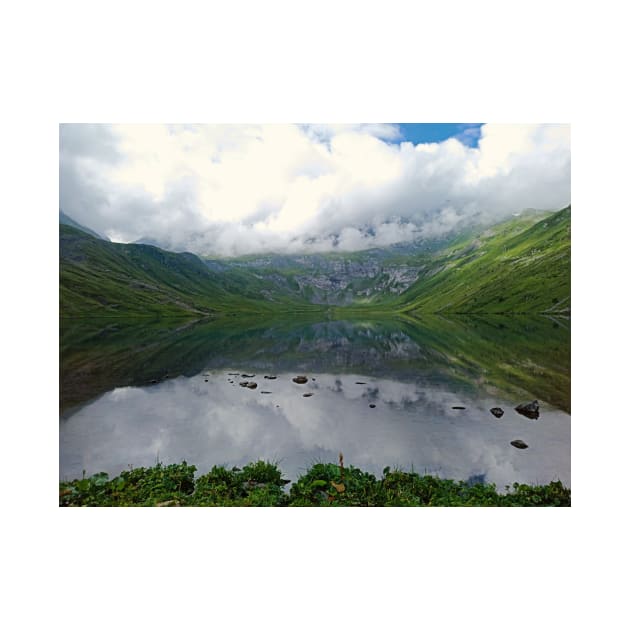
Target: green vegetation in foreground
{"type": "Point", "coordinates": [100, 278]}
{"type": "Point", "coordinates": [261, 484]}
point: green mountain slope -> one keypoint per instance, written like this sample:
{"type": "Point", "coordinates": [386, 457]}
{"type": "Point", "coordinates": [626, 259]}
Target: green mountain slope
{"type": "Point", "coordinates": [516, 267]}
{"type": "Point", "coordinates": [114, 279]}
{"type": "Point", "coordinates": [64, 219]}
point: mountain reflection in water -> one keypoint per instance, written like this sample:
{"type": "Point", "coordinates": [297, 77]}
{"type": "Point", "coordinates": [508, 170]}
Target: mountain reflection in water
{"type": "Point", "coordinates": [132, 392]}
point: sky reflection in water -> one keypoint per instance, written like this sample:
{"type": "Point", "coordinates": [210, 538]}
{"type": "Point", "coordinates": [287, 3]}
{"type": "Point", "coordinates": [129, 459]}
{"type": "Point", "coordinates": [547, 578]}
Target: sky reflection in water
{"type": "Point", "coordinates": [412, 425]}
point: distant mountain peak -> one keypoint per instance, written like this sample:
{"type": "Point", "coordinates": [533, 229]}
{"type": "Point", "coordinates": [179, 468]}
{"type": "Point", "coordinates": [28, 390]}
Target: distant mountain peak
{"type": "Point", "coordinates": [64, 219]}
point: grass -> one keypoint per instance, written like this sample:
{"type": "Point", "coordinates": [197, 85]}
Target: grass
{"type": "Point", "coordinates": [519, 266]}
{"type": "Point", "coordinates": [515, 268]}
{"type": "Point", "coordinates": [260, 484]}
{"type": "Point", "coordinates": [100, 278]}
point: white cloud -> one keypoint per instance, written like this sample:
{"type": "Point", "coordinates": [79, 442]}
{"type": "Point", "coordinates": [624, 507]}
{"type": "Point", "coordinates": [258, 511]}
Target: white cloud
{"type": "Point", "coordinates": [235, 189]}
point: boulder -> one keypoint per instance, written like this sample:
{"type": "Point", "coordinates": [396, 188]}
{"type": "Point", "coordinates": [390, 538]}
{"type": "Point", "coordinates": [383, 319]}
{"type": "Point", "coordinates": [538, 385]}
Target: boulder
{"type": "Point", "coordinates": [497, 412]}
{"type": "Point", "coordinates": [518, 444]}
{"type": "Point", "coordinates": [300, 380]}
{"type": "Point", "coordinates": [530, 410]}
{"type": "Point", "coordinates": [307, 395]}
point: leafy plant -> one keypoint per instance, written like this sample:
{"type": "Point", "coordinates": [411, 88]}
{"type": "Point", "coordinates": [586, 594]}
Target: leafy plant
{"type": "Point", "coordinates": [324, 484]}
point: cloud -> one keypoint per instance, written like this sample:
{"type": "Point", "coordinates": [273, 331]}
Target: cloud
{"type": "Point", "coordinates": [236, 189]}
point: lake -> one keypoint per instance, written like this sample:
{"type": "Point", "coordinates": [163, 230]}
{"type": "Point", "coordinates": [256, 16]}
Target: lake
{"type": "Point", "coordinates": [384, 393]}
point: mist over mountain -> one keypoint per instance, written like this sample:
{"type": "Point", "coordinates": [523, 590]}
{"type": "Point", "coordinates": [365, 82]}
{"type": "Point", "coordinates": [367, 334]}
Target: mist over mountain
{"type": "Point", "coordinates": [64, 219]}
{"type": "Point", "coordinates": [234, 190]}
{"type": "Point", "coordinates": [518, 265]}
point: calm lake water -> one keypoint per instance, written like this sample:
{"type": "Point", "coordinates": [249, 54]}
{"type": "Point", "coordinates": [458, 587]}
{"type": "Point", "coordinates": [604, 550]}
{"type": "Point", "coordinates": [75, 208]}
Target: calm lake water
{"type": "Point", "coordinates": [135, 392]}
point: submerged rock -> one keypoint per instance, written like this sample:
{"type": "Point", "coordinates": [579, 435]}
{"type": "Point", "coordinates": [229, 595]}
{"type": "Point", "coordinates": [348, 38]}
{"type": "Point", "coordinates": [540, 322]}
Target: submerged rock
{"type": "Point", "coordinates": [372, 405]}
{"type": "Point", "coordinates": [497, 412]}
{"type": "Point", "coordinates": [518, 444]}
{"type": "Point", "coordinates": [248, 375]}
{"type": "Point", "coordinates": [530, 410]}
{"type": "Point", "coordinates": [265, 392]}
{"type": "Point", "coordinates": [271, 378]}
{"type": "Point", "coordinates": [359, 383]}
{"type": "Point", "coordinates": [458, 407]}
{"type": "Point", "coordinates": [307, 395]}
{"type": "Point", "coordinates": [300, 380]}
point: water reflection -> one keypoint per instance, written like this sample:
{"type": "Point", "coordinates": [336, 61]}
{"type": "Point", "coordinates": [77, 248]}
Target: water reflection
{"type": "Point", "coordinates": [413, 373]}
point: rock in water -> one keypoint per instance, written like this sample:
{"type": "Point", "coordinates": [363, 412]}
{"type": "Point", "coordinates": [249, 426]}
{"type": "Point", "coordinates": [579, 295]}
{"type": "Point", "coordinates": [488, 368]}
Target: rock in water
{"type": "Point", "coordinates": [458, 407]}
{"type": "Point", "coordinates": [248, 384]}
{"type": "Point", "coordinates": [518, 444]}
{"type": "Point", "coordinates": [530, 410]}
{"type": "Point", "coordinates": [497, 412]}
{"type": "Point", "coordinates": [271, 377]}
{"type": "Point", "coordinates": [307, 395]}
{"type": "Point", "coordinates": [372, 406]}
{"type": "Point", "coordinates": [300, 380]}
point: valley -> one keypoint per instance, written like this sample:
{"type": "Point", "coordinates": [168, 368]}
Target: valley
{"type": "Point", "coordinates": [518, 266]}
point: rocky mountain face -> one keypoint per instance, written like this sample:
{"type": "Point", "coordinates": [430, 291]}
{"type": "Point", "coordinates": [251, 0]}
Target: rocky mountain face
{"type": "Point", "coordinates": [328, 279]}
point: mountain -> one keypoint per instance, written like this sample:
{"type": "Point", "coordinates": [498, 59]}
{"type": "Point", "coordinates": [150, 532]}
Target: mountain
{"type": "Point", "coordinates": [64, 219]}
{"type": "Point", "coordinates": [516, 267]}
{"type": "Point", "coordinates": [513, 266]}
{"type": "Point", "coordinates": [114, 279]}
{"type": "Point", "coordinates": [338, 278]}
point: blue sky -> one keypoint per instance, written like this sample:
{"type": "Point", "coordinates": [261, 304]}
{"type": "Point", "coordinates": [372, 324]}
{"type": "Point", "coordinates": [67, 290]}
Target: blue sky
{"type": "Point", "coordinates": [467, 133]}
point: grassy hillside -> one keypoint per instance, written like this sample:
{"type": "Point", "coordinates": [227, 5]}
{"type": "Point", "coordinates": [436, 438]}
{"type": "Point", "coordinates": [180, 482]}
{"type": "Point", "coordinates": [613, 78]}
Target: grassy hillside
{"type": "Point", "coordinates": [519, 266]}
{"type": "Point", "coordinates": [516, 267]}
{"type": "Point", "coordinates": [113, 279]}
{"type": "Point", "coordinates": [66, 220]}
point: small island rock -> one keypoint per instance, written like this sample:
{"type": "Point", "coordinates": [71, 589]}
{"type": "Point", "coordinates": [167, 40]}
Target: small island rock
{"type": "Point", "coordinates": [530, 410]}
{"type": "Point", "coordinates": [518, 444]}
